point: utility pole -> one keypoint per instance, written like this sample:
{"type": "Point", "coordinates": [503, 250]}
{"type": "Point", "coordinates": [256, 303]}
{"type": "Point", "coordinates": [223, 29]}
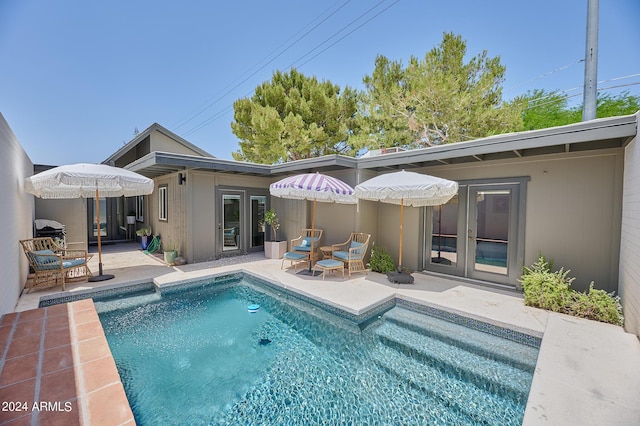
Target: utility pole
{"type": "Point", "coordinates": [591, 62]}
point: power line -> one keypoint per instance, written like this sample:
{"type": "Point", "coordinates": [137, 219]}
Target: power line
{"type": "Point", "coordinates": [546, 74]}
{"type": "Point", "coordinates": [221, 113]}
{"type": "Point", "coordinates": [220, 97]}
{"type": "Point", "coordinates": [536, 105]}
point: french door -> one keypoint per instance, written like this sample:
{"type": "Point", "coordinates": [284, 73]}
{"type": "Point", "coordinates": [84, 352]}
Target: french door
{"type": "Point", "coordinates": [479, 233]}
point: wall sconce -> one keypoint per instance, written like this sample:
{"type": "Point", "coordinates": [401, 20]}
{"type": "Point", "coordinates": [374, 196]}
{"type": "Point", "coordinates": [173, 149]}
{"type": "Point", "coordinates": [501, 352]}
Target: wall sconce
{"type": "Point", "coordinates": [181, 179]}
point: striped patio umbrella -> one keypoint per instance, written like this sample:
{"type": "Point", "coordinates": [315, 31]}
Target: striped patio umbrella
{"type": "Point", "coordinates": [316, 187]}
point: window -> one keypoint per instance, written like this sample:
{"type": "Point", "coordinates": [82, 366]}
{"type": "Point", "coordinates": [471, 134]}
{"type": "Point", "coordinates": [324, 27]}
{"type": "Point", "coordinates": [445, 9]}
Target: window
{"type": "Point", "coordinates": [163, 203]}
{"type": "Point", "coordinates": [140, 208]}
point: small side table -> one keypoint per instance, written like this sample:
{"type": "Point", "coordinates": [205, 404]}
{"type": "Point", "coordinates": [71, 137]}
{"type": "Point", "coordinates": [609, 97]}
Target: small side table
{"type": "Point", "coordinates": [327, 252]}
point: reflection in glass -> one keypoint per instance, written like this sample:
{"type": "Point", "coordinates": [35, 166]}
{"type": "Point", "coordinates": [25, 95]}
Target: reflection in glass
{"type": "Point", "coordinates": [231, 222]}
{"type": "Point", "coordinates": [492, 231]}
{"type": "Point", "coordinates": [258, 204]}
{"type": "Point", "coordinates": [103, 218]}
{"type": "Point", "coordinates": [444, 233]}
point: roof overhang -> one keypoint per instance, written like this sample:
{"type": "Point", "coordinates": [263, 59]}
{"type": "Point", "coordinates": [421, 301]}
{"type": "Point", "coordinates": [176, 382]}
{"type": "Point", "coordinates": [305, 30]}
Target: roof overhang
{"type": "Point", "coordinates": [614, 132]}
{"type": "Point", "coordinates": [603, 133]}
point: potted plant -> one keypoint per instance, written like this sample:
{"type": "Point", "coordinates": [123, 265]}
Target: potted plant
{"type": "Point", "coordinates": [144, 234]}
{"type": "Point", "coordinates": [131, 217]}
{"type": "Point", "coordinates": [170, 252]}
{"type": "Point", "coordinates": [273, 249]}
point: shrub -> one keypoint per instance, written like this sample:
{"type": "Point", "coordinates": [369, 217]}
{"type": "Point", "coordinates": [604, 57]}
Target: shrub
{"type": "Point", "coordinates": [381, 260]}
{"type": "Point", "coordinates": [552, 291]}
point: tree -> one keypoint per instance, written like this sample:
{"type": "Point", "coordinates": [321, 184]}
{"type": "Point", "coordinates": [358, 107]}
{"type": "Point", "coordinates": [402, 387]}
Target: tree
{"type": "Point", "coordinates": [294, 117]}
{"type": "Point", "coordinates": [436, 100]}
{"type": "Point", "coordinates": [544, 109]}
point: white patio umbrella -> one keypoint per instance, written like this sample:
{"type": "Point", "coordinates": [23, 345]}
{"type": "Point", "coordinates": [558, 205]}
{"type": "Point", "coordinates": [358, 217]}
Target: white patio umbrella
{"type": "Point", "coordinates": [407, 189]}
{"type": "Point", "coordinates": [316, 187]}
{"type": "Point", "coordinates": [86, 181]}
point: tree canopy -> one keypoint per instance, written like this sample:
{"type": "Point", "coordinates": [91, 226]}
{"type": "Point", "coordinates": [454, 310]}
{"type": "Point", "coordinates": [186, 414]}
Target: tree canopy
{"type": "Point", "coordinates": [435, 100]}
{"type": "Point", "coordinates": [294, 117]}
{"type": "Point", "coordinates": [543, 109]}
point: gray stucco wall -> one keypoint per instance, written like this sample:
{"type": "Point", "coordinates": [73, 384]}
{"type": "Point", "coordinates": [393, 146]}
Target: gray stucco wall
{"type": "Point", "coordinates": [572, 212]}
{"type": "Point", "coordinates": [629, 284]}
{"type": "Point", "coordinates": [16, 218]}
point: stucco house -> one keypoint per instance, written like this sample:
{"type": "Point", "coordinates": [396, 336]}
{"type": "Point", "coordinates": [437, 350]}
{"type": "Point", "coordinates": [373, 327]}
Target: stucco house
{"type": "Point", "coordinates": [570, 193]}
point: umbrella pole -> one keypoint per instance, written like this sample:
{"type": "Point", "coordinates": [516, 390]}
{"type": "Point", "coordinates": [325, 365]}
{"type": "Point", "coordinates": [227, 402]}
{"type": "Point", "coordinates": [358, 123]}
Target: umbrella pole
{"type": "Point", "coordinates": [313, 227]}
{"type": "Point", "coordinates": [100, 276]}
{"type": "Point", "coordinates": [401, 218]}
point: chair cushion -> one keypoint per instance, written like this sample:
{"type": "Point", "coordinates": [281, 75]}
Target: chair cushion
{"type": "Point", "coordinates": [294, 256]}
{"type": "Point", "coordinates": [329, 263]}
{"type": "Point", "coordinates": [72, 263]}
{"type": "Point", "coordinates": [44, 259]}
{"type": "Point", "coordinates": [302, 248]}
{"type": "Point", "coordinates": [355, 244]}
{"type": "Point", "coordinates": [344, 255]}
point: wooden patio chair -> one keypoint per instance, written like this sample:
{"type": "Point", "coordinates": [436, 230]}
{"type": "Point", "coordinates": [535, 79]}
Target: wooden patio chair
{"type": "Point", "coordinates": [303, 243]}
{"type": "Point", "coordinates": [53, 265]}
{"type": "Point", "coordinates": [352, 252]}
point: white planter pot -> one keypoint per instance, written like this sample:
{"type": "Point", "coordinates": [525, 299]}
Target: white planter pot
{"type": "Point", "coordinates": [275, 249]}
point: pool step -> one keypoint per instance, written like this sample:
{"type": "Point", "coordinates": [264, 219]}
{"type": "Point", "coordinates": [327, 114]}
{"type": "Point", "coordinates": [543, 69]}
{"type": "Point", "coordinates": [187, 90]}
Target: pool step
{"type": "Point", "coordinates": [484, 344]}
{"type": "Point", "coordinates": [493, 376]}
{"type": "Point", "coordinates": [473, 404]}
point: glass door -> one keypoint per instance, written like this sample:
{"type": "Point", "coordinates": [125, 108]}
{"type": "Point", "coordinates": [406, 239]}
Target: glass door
{"type": "Point", "coordinates": [258, 207]}
{"type": "Point", "coordinates": [231, 222]}
{"type": "Point", "coordinates": [492, 233]}
{"type": "Point", "coordinates": [476, 234]}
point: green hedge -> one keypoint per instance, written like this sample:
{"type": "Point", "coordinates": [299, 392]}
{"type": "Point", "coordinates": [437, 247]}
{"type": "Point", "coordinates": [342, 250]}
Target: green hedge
{"type": "Point", "coordinates": [552, 291]}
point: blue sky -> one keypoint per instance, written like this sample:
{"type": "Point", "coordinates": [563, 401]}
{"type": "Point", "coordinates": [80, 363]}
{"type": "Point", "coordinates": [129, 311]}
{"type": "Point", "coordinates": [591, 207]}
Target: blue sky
{"type": "Point", "coordinates": [76, 78]}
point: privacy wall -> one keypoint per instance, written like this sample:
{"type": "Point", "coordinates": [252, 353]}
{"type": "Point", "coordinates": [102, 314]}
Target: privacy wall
{"type": "Point", "coordinates": [16, 217]}
{"type": "Point", "coordinates": [629, 284]}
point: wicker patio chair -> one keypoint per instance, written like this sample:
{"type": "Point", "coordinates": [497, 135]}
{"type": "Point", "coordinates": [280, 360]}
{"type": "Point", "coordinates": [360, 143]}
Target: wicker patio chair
{"type": "Point", "coordinates": [303, 243]}
{"type": "Point", "coordinates": [53, 265]}
{"type": "Point", "coordinates": [352, 252]}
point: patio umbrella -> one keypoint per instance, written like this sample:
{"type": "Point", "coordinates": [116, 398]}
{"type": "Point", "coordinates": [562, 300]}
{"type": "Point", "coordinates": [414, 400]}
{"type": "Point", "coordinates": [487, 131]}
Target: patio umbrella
{"type": "Point", "coordinates": [316, 187]}
{"type": "Point", "coordinates": [86, 181]}
{"type": "Point", "coordinates": [407, 189]}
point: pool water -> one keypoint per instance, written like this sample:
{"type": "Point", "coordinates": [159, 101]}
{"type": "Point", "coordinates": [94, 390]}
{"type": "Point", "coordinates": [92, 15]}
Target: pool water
{"type": "Point", "coordinates": [199, 357]}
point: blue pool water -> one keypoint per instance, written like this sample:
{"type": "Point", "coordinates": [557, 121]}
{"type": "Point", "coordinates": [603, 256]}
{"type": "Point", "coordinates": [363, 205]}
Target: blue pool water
{"type": "Point", "coordinates": [199, 357]}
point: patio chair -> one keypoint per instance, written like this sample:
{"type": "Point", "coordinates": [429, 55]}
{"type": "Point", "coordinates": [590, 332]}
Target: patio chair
{"type": "Point", "coordinates": [53, 265]}
{"type": "Point", "coordinates": [352, 252]}
{"type": "Point", "coordinates": [303, 243]}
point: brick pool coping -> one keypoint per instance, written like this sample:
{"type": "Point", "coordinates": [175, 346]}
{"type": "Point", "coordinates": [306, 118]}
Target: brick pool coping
{"type": "Point", "coordinates": [56, 368]}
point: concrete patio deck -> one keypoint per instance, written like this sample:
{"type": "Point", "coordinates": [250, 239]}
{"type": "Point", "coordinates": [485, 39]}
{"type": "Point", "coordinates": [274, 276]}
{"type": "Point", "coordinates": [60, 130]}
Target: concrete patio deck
{"type": "Point", "coordinates": [588, 373]}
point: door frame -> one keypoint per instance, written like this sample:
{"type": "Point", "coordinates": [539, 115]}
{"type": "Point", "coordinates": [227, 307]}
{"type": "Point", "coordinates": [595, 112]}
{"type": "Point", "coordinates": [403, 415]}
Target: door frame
{"type": "Point", "coordinates": [465, 259]}
{"type": "Point", "coordinates": [244, 240]}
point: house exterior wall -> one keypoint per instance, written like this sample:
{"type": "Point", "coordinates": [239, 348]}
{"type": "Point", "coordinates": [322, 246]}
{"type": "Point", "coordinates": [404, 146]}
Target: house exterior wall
{"type": "Point", "coordinates": [163, 143]}
{"type": "Point", "coordinates": [172, 231]}
{"type": "Point", "coordinates": [629, 284]}
{"type": "Point", "coordinates": [16, 220]}
{"type": "Point", "coordinates": [572, 212]}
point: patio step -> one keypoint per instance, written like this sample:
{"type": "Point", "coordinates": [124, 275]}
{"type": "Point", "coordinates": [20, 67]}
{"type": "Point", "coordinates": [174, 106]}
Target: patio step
{"type": "Point", "coordinates": [478, 342]}
{"type": "Point", "coordinates": [469, 403]}
{"type": "Point", "coordinates": [501, 379]}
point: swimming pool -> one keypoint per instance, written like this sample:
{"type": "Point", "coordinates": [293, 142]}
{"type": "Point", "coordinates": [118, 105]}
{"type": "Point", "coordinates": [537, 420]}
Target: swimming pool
{"type": "Point", "coordinates": [199, 357]}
